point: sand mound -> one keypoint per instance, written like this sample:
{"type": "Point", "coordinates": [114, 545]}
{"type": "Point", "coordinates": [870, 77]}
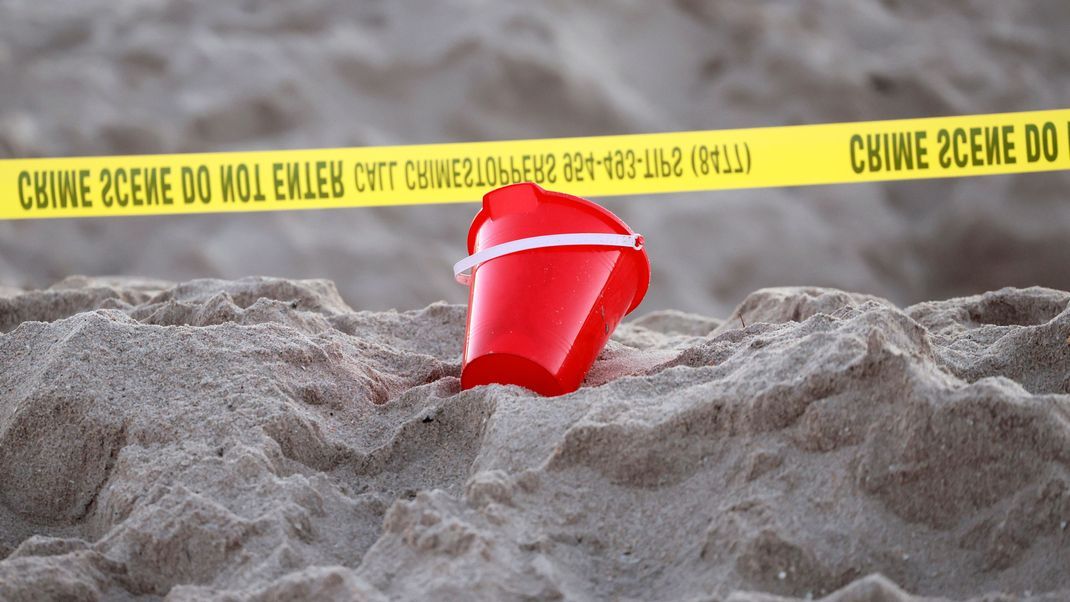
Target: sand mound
{"type": "Point", "coordinates": [87, 78]}
{"type": "Point", "coordinates": [260, 440]}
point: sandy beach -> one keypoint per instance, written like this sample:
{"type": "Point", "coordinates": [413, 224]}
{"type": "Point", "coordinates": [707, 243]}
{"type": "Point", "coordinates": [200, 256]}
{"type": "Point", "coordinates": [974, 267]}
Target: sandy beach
{"type": "Point", "coordinates": [853, 393]}
{"type": "Point", "coordinates": [259, 439]}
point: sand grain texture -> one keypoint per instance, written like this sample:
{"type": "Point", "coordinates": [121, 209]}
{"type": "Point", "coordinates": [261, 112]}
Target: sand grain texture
{"type": "Point", "coordinates": [260, 440]}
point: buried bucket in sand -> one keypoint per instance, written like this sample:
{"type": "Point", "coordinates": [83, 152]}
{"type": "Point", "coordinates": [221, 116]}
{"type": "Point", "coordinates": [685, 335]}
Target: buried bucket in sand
{"type": "Point", "coordinates": [551, 277]}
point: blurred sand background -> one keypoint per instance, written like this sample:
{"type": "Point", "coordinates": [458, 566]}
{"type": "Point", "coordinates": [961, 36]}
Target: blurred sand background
{"type": "Point", "coordinates": [104, 77]}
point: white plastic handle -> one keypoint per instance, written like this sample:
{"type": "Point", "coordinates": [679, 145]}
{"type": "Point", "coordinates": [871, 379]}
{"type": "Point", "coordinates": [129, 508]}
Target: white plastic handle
{"type": "Point", "coordinates": [633, 241]}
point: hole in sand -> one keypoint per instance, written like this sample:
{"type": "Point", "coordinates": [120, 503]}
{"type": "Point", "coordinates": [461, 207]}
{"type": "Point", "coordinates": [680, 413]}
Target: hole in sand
{"type": "Point", "coordinates": [1020, 312]}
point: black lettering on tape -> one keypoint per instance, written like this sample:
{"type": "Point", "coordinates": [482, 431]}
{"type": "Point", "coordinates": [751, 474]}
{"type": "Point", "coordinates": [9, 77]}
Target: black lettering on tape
{"type": "Point", "coordinates": [204, 184]}
{"type": "Point", "coordinates": [857, 165]}
{"type": "Point", "coordinates": [135, 186]}
{"type": "Point", "coordinates": [165, 186]}
{"type": "Point", "coordinates": [189, 192]}
{"type": "Point", "coordinates": [24, 182]}
{"type": "Point", "coordinates": [1041, 142]}
{"type": "Point", "coordinates": [105, 188]}
{"type": "Point", "coordinates": [943, 138]}
{"type": "Point", "coordinates": [1050, 142]}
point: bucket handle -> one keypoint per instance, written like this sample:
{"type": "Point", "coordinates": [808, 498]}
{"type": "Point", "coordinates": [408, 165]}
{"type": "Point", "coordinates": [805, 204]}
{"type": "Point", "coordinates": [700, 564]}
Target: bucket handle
{"type": "Point", "coordinates": [632, 241]}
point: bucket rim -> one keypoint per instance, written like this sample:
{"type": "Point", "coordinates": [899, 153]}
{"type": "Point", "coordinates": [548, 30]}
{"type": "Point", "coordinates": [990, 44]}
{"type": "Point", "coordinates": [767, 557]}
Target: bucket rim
{"type": "Point", "coordinates": [622, 228]}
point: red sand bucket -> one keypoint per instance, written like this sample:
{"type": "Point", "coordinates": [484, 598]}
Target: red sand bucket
{"type": "Point", "coordinates": [552, 276]}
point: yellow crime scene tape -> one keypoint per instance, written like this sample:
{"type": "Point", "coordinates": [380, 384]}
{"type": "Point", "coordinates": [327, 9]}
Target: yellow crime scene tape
{"type": "Point", "coordinates": [935, 147]}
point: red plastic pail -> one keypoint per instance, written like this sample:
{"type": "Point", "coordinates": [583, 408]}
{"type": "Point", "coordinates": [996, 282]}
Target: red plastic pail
{"type": "Point", "coordinates": [552, 276]}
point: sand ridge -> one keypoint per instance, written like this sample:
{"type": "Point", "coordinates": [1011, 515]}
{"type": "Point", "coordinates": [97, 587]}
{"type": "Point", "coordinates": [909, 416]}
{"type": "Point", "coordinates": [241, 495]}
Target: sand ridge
{"type": "Point", "coordinates": [89, 78]}
{"type": "Point", "coordinates": [260, 440]}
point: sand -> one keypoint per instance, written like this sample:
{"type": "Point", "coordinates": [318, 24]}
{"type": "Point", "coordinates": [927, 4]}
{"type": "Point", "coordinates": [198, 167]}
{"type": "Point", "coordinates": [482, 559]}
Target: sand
{"type": "Point", "coordinates": [258, 439]}
{"type": "Point", "coordinates": [103, 77]}
{"type": "Point", "coordinates": [181, 432]}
